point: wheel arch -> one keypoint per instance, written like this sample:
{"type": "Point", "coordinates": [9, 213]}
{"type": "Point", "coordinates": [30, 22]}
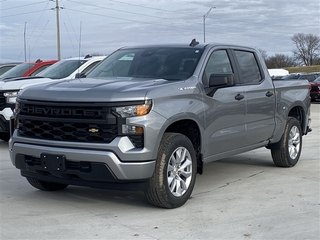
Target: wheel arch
{"type": "Point", "coordinates": [296, 112]}
{"type": "Point", "coordinates": [299, 113]}
{"type": "Point", "coordinates": [191, 130]}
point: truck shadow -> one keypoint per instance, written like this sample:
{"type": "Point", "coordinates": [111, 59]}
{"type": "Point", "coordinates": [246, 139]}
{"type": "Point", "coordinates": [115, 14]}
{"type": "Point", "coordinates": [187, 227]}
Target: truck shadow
{"type": "Point", "coordinates": [216, 174]}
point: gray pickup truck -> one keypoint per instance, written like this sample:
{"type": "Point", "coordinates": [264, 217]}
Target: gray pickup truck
{"type": "Point", "coordinates": [149, 117]}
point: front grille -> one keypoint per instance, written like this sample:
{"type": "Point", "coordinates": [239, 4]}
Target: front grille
{"type": "Point", "coordinates": [79, 131]}
{"type": "Point", "coordinates": [93, 123]}
{"type": "Point", "coordinates": [75, 122]}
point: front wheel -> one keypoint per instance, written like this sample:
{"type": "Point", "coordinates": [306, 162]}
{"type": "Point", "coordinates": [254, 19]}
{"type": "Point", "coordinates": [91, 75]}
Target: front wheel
{"type": "Point", "coordinates": [46, 186]}
{"type": "Point", "coordinates": [175, 172]}
{"type": "Point", "coordinates": [4, 136]}
{"type": "Point", "coordinates": [288, 149]}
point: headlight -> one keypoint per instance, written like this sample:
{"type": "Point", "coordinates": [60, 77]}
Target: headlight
{"type": "Point", "coordinates": [133, 111]}
{"type": "Point", "coordinates": [11, 97]}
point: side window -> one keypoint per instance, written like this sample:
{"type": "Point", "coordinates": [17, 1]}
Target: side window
{"type": "Point", "coordinates": [4, 69]}
{"type": "Point", "coordinates": [39, 70]}
{"type": "Point", "coordinates": [218, 63]}
{"type": "Point", "coordinates": [91, 66]}
{"type": "Point", "coordinates": [249, 69]}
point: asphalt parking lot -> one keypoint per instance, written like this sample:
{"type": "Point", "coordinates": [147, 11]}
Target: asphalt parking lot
{"type": "Point", "coordinates": [243, 197]}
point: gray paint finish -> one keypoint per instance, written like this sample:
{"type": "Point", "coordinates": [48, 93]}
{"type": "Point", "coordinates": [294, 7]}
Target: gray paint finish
{"type": "Point", "coordinates": [227, 125]}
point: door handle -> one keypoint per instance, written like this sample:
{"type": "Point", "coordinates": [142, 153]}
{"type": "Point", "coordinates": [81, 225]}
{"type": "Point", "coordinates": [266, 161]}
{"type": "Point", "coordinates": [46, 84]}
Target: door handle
{"type": "Point", "coordinates": [269, 94]}
{"type": "Point", "coordinates": [239, 97]}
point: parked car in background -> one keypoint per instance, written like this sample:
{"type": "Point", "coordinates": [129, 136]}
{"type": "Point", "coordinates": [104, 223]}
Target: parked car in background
{"type": "Point", "coordinates": [64, 69]}
{"type": "Point", "coordinates": [68, 68]}
{"type": "Point", "coordinates": [315, 89]}
{"type": "Point", "coordinates": [293, 76]}
{"type": "Point", "coordinates": [309, 76]}
{"type": "Point", "coordinates": [277, 77]}
{"type": "Point", "coordinates": [277, 73]}
{"type": "Point", "coordinates": [27, 69]}
{"type": "Point", "coordinates": [4, 67]}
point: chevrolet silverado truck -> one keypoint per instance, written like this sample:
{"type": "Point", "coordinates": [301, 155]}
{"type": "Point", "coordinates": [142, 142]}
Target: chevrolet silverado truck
{"type": "Point", "coordinates": [150, 117]}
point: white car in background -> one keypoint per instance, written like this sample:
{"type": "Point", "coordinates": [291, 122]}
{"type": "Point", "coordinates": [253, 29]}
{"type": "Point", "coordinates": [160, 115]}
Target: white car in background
{"type": "Point", "coordinates": [70, 67]}
{"type": "Point", "coordinates": [65, 69]}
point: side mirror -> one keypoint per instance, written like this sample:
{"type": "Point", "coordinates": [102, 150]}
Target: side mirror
{"type": "Point", "coordinates": [80, 75]}
{"type": "Point", "coordinates": [221, 80]}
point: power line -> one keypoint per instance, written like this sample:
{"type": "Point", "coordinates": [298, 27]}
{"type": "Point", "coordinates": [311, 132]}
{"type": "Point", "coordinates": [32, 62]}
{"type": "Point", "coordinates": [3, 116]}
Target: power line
{"type": "Point", "coordinates": [117, 10]}
{"type": "Point", "coordinates": [38, 37]}
{"type": "Point", "coordinates": [37, 22]}
{"type": "Point", "coordinates": [22, 5]}
{"type": "Point", "coordinates": [130, 20]}
{"type": "Point", "coordinates": [179, 27]}
{"type": "Point", "coordinates": [70, 22]}
{"type": "Point", "coordinates": [18, 14]}
{"type": "Point", "coordinates": [69, 37]}
{"type": "Point", "coordinates": [136, 5]}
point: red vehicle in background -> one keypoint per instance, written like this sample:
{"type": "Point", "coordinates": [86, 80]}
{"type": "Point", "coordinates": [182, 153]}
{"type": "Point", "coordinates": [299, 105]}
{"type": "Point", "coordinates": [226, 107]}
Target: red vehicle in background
{"type": "Point", "coordinates": [315, 89]}
{"type": "Point", "coordinates": [27, 69]}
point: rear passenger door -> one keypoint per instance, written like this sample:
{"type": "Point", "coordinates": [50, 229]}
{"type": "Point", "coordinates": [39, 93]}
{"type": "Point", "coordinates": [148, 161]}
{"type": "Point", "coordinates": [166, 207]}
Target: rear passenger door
{"type": "Point", "coordinates": [224, 108]}
{"type": "Point", "coordinates": [259, 98]}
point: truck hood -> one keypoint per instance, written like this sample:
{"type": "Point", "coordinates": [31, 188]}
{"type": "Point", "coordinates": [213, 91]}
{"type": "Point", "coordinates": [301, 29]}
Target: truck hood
{"type": "Point", "coordinates": [22, 82]}
{"type": "Point", "coordinates": [94, 90]}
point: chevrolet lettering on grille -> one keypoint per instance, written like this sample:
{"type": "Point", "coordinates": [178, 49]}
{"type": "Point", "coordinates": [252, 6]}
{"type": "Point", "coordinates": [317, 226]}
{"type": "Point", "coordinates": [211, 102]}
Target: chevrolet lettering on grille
{"type": "Point", "coordinates": [58, 111]}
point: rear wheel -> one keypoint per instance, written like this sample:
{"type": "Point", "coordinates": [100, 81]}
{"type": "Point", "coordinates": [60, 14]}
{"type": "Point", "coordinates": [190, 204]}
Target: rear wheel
{"type": "Point", "coordinates": [286, 152]}
{"type": "Point", "coordinates": [175, 173]}
{"type": "Point", "coordinates": [46, 186]}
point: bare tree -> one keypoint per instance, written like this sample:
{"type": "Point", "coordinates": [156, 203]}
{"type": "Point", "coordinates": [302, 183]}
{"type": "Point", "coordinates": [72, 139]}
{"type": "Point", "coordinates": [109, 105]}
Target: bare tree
{"type": "Point", "coordinates": [308, 48]}
{"type": "Point", "coordinates": [279, 61]}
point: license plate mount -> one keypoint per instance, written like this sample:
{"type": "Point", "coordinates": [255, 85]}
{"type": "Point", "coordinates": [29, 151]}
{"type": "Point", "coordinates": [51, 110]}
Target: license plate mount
{"type": "Point", "coordinates": [52, 162]}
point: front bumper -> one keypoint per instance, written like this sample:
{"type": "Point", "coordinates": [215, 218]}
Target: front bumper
{"type": "Point", "coordinates": [82, 167]}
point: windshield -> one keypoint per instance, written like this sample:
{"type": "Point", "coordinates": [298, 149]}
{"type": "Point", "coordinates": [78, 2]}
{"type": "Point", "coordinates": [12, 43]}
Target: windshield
{"type": "Point", "coordinates": [165, 63]}
{"type": "Point", "coordinates": [17, 71]}
{"type": "Point", "coordinates": [61, 69]}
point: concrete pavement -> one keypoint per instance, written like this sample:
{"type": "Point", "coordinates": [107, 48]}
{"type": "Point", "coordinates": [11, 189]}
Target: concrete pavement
{"type": "Point", "coordinates": [243, 197]}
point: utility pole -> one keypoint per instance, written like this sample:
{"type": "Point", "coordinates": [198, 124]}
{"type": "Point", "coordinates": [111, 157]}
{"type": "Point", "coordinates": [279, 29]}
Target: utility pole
{"type": "Point", "coordinates": [58, 30]}
{"type": "Point", "coordinates": [57, 9]}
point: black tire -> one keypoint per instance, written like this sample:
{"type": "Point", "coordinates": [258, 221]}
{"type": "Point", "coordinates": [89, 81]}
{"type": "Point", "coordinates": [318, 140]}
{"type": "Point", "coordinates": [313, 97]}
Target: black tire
{"type": "Point", "coordinates": [162, 193]}
{"type": "Point", "coordinates": [286, 152]}
{"type": "Point", "coordinates": [4, 136]}
{"type": "Point", "coordinates": [46, 186]}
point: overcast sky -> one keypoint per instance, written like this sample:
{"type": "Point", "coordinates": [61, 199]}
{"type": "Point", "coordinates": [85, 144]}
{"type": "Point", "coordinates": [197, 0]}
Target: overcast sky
{"type": "Point", "coordinates": [101, 26]}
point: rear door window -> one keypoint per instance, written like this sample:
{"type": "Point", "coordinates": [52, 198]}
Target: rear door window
{"type": "Point", "coordinates": [249, 68]}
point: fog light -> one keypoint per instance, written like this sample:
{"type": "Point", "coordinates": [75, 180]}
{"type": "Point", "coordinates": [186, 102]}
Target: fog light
{"type": "Point", "coordinates": [126, 129]}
